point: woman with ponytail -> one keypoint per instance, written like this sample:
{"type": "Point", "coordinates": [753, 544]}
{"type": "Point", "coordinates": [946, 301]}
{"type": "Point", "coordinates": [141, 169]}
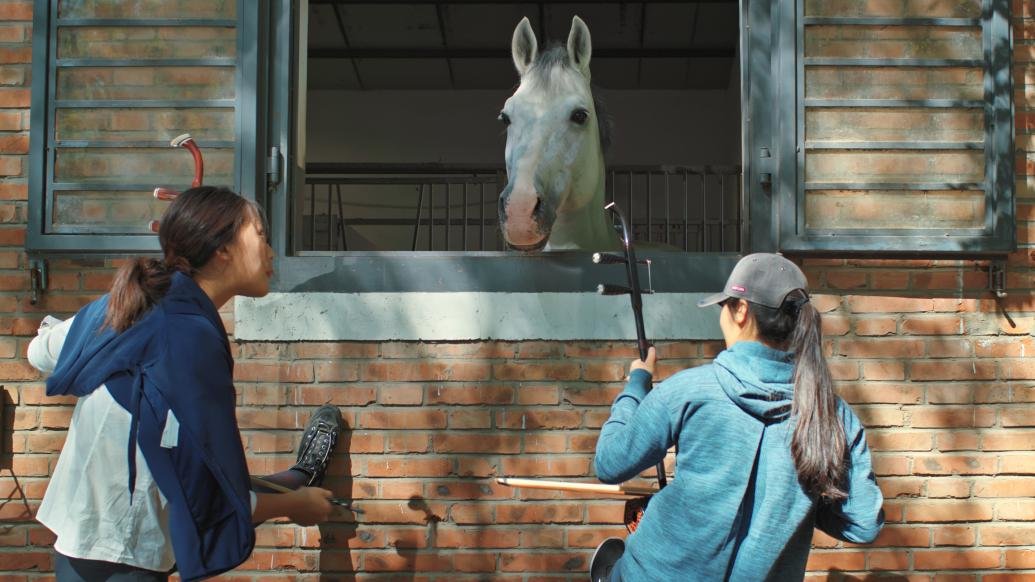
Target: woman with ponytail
{"type": "Point", "coordinates": [153, 473]}
{"type": "Point", "coordinates": [765, 451]}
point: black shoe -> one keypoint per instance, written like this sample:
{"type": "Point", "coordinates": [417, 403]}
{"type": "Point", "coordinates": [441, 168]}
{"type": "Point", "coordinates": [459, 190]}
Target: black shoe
{"type": "Point", "coordinates": [318, 440]}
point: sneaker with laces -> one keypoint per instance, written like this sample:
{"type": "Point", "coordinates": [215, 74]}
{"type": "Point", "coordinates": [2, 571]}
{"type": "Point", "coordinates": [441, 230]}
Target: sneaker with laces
{"type": "Point", "coordinates": [318, 440]}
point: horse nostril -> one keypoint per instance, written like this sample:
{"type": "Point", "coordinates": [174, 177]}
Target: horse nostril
{"type": "Point", "coordinates": [538, 206]}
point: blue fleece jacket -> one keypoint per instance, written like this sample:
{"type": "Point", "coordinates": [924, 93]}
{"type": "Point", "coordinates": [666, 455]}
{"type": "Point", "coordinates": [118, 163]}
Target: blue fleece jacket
{"type": "Point", "coordinates": [735, 509]}
{"type": "Point", "coordinates": [176, 358]}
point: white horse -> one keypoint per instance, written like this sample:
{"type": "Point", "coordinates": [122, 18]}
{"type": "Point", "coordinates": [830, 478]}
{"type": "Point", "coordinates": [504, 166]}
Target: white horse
{"type": "Point", "coordinates": [554, 198]}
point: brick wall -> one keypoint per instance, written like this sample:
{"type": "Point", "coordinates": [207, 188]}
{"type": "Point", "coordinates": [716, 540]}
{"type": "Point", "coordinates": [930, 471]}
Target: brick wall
{"type": "Point", "coordinates": [942, 380]}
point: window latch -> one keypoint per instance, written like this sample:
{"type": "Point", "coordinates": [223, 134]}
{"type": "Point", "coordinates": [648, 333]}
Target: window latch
{"type": "Point", "coordinates": [273, 164]}
{"type": "Point", "coordinates": [37, 279]}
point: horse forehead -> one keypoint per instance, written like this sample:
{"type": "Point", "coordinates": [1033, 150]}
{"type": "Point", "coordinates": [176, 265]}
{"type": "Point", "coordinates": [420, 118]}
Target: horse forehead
{"type": "Point", "coordinates": [557, 85]}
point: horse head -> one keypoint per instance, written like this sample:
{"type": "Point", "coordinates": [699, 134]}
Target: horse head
{"type": "Point", "coordinates": [554, 153]}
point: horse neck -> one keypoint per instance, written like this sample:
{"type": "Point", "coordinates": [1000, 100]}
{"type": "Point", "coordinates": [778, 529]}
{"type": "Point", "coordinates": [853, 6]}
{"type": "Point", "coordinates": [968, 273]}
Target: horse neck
{"type": "Point", "coordinates": [586, 227]}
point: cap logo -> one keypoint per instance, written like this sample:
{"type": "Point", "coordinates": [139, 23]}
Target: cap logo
{"type": "Point", "coordinates": [738, 288]}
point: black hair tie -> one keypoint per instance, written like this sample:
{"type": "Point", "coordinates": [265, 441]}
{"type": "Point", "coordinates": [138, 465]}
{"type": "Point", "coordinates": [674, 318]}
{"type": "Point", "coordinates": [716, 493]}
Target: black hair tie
{"type": "Point", "coordinates": [793, 306]}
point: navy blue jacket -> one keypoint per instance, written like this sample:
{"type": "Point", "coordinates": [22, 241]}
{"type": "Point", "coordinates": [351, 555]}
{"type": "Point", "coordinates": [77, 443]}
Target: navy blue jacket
{"type": "Point", "coordinates": [175, 358]}
{"type": "Point", "coordinates": [735, 510]}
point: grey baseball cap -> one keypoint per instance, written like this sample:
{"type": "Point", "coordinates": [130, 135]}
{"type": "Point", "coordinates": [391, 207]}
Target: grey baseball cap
{"type": "Point", "coordinates": [762, 278]}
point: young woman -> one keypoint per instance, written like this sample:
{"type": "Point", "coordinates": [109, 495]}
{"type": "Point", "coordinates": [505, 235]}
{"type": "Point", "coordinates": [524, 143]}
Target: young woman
{"type": "Point", "coordinates": [153, 473]}
{"type": "Point", "coordinates": [765, 451]}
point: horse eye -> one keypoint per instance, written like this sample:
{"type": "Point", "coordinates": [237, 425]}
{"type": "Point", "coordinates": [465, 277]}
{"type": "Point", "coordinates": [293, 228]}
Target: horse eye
{"type": "Point", "coordinates": [504, 118]}
{"type": "Point", "coordinates": [579, 116]}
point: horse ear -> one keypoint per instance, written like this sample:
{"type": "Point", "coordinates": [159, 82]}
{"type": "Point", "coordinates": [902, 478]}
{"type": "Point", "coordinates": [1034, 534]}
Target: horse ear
{"type": "Point", "coordinates": [579, 46]}
{"type": "Point", "coordinates": [523, 47]}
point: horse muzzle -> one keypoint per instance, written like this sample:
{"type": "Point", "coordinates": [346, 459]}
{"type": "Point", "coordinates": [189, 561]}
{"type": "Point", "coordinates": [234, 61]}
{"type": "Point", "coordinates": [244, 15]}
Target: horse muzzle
{"type": "Point", "coordinates": [525, 220]}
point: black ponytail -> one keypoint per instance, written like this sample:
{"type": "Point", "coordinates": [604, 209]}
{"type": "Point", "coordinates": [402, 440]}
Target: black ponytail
{"type": "Point", "coordinates": [818, 444]}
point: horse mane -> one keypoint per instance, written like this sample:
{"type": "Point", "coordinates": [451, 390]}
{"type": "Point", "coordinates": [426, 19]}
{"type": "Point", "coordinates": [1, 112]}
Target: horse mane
{"type": "Point", "coordinates": [556, 55]}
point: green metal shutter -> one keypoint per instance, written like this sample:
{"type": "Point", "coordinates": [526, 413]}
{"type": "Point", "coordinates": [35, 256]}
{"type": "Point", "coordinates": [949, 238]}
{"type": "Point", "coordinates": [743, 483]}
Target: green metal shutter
{"type": "Point", "coordinates": [113, 83]}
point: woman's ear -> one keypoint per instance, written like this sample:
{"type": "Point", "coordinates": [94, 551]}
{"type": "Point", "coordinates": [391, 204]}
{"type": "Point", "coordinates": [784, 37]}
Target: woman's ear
{"type": "Point", "coordinates": [740, 313]}
{"type": "Point", "coordinates": [223, 255]}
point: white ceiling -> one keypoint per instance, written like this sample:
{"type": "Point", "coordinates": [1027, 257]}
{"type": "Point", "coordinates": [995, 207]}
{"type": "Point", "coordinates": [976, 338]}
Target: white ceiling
{"type": "Point", "coordinates": [466, 45]}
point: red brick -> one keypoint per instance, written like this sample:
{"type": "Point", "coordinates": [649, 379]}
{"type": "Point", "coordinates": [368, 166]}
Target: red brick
{"type": "Point", "coordinates": [465, 442]}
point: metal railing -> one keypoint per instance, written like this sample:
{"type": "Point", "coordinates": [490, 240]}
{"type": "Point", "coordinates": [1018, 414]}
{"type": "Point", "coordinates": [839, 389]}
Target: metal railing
{"type": "Point", "coordinates": [350, 207]}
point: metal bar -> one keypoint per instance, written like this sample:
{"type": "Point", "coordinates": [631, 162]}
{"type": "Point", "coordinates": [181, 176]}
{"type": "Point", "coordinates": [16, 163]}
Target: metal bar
{"type": "Point", "coordinates": [201, 62]}
{"type": "Point", "coordinates": [643, 35]}
{"type": "Point", "coordinates": [431, 217]}
{"type": "Point", "coordinates": [148, 22]}
{"type": "Point", "coordinates": [100, 229]}
{"type": "Point", "coordinates": [704, 213]}
{"type": "Point", "coordinates": [879, 21]}
{"type": "Point", "coordinates": [491, 53]}
{"type": "Point", "coordinates": [491, 2]}
{"type": "Point", "coordinates": [141, 103]}
{"type": "Point", "coordinates": [933, 103]}
{"type": "Point", "coordinates": [341, 222]}
{"type": "Point", "coordinates": [393, 180]}
{"type": "Point", "coordinates": [961, 231]}
{"type": "Point", "coordinates": [722, 213]}
{"type": "Point", "coordinates": [416, 219]}
{"type": "Point", "coordinates": [999, 87]}
{"type": "Point", "coordinates": [629, 193]}
{"type": "Point", "coordinates": [894, 145]}
{"type": "Point", "coordinates": [739, 206]}
{"type": "Point", "coordinates": [330, 234]}
{"type": "Point", "coordinates": [668, 211]}
{"type": "Point", "coordinates": [686, 215]}
{"type": "Point", "coordinates": [894, 186]}
{"type": "Point", "coordinates": [481, 216]}
{"type": "Point", "coordinates": [449, 211]}
{"type": "Point", "coordinates": [856, 62]}
{"type": "Point", "coordinates": [312, 218]}
{"type": "Point", "coordinates": [465, 216]}
{"type": "Point", "coordinates": [650, 233]}
{"type": "Point", "coordinates": [459, 222]}
{"type": "Point", "coordinates": [345, 40]}
{"type": "Point", "coordinates": [325, 168]}
{"type": "Point", "coordinates": [124, 186]}
{"type": "Point", "coordinates": [164, 144]}
{"type": "Point", "coordinates": [440, 13]}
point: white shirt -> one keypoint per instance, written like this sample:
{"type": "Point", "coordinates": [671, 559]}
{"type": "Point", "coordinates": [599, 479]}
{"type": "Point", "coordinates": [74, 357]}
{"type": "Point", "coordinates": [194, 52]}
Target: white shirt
{"type": "Point", "coordinates": [87, 503]}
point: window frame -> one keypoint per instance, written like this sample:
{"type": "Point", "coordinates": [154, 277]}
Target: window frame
{"type": "Point", "coordinates": [248, 175]}
{"type": "Point", "coordinates": [996, 237]}
{"type": "Point", "coordinates": [429, 271]}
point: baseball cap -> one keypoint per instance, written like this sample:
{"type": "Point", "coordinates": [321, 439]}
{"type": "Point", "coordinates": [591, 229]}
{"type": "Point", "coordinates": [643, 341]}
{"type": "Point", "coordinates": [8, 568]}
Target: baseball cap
{"type": "Point", "coordinates": [762, 278]}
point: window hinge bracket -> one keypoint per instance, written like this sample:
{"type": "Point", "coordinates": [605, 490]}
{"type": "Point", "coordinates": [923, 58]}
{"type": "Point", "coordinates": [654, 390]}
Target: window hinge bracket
{"type": "Point", "coordinates": [273, 166]}
{"type": "Point", "coordinates": [37, 279]}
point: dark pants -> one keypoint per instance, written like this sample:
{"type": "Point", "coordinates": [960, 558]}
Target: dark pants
{"type": "Point", "coordinates": [79, 570]}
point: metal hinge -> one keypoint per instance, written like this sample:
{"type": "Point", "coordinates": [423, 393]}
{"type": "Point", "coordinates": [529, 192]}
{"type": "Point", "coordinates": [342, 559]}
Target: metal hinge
{"type": "Point", "coordinates": [37, 279]}
{"type": "Point", "coordinates": [997, 278]}
{"type": "Point", "coordinates": [274, 164]}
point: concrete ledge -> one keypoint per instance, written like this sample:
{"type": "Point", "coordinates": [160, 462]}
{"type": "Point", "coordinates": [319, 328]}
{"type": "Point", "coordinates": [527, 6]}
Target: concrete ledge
{"type": "Point", "coordinates": [469, 316]}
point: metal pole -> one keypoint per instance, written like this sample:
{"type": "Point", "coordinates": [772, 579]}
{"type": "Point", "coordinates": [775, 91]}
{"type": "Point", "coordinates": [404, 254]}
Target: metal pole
{"type": "Point", "coordinates": [416, 220]}
{"type": "Point", "coordinates": [341, 222]}
{"type": "Point", "coordinates": [686, 214]}
{"type": "Point", "coordinates": [312, 218]}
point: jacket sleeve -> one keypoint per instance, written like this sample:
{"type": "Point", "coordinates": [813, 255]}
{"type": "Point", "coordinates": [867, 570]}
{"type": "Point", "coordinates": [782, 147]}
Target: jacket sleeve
{"type": "Point", "coordinates": [45, 348]}
{"type": "Point", "coordinates": [638, 433]}
{"type": "Point", "coordinates": [859, 517]}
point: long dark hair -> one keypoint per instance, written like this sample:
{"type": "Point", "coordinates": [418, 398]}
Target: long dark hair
{"type": "Point", "coordinates": [818, 444]}
{"type": "Point", "coordinates": [197, 223]}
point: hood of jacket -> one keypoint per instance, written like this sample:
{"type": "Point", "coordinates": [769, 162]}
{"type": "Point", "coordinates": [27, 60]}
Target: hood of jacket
{"type": "Point", "coordinates": [759, 379]}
